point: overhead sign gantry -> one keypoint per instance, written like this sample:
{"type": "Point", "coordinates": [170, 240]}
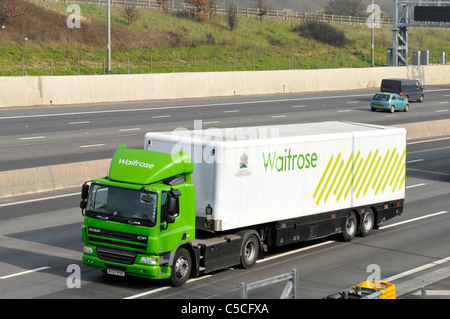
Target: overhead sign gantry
{"type": "Point", "coordinates": [407, 14]}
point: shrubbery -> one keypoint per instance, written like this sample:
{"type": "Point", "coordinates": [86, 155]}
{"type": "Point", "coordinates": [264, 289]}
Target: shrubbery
{"type": "Point", "coordinates": [322, 32]}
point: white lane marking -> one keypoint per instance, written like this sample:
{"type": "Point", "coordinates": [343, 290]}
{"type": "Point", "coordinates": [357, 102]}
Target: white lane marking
{"type": "Point", "coordinates": [23, 272]}
{"type": "Point", "coordinates": [415, 161]}
{"type": "Point", "coordinates": [93, 145]}
{"type": "Point", "coordinates": [440, 111]}
{"type": "Point", "coordinates": [146, 293]}
{"type": "Point", "coordinates": [352, 102]}
{"type": "Point", "coordinates": [81, 122]}
{"type": "Point", "coordinates": [160, 116]}
{"type": "Point", "coordinates": [296, 106]}
{"type": "Point", "coordinates": [342, 111]}
{"type": "Point", "coordinates": [277, 116]}
{"type": "Point", "coordinates": [417, 185]}
{"type": "Point", "coordinates": [414, 219]}
{"type": "Point", "coordinates": [427, 141]}
{"type": "Point", "coordinates": [31, 138]}
{"type": "Point", "coordinates": [38, 199]}
{"type": "Point", "coordinates": [129, 129]}
{"type": "Point", "coordinates": [295, 251]}
{"type": "Point", "coordinates": [433, 293]}
{"type": "Point", "coordinates": [443, 102]}
{"type": "Point", "coordinates": [211, 122]}
{"type": "Point", "coordinates": [412, 271]}
{"type": "Point", "coordinates": [231, 111]}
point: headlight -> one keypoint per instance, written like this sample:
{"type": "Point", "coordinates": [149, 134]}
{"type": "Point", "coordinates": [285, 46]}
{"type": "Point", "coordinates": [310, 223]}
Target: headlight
{"type": "Point", "coordinates": [88, 250]}
{"type": "Point", "coordinates": [149, 260]}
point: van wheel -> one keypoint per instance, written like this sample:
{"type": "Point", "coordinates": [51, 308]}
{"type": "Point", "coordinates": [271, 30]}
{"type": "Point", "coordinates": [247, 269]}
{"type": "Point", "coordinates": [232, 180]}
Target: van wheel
{"type": "Point", "coordinates": [249, 250]}
{"type": "Point", "coordinates": [350, 227]}
{"type": "Point", "coordinates": [367, 223]}
{"type": "Point", "coordinates": [420, 99]}
{"type": "Point", "coordinates": [181, 268]}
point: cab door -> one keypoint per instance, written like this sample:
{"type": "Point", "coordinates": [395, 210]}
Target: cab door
{"type": "Point", "coordinates": [174, 224]}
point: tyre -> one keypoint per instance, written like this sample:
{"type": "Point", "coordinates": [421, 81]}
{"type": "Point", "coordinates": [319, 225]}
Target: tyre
{"type": "Point", "coordinates": [373, 109]}
{"type": "Point", "coordinates": [406, 108]}
{"type": "Point", "coordinates": [181, 268]}
{"type": "Point", "coordinates": [420, 99]}
{"type": "Point", "coordinates": [350, 227]}
{"type": "Point", "coordinates": [367, 223]}
{"type": "Point", "coordinates": [392, 109]}
{"type": "Point", "coordinates": [249, 250]}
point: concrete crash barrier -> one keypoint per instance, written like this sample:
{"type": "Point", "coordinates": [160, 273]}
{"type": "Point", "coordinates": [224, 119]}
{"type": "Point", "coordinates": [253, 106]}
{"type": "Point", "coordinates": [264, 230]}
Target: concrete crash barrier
{"type": "Point", "coordinates": [427, 129]}
{"type": "Point", "coordinates": [49, 178]}
{"type": "Point", "coordinates": [64, 90]}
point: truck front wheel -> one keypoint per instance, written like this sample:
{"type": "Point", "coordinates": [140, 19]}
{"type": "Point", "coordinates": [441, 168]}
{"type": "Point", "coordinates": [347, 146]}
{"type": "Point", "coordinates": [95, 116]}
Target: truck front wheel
{"type": "Point", "coordinates": [249, 250]}
{"type": "Point", "coordinates": [181, 268]}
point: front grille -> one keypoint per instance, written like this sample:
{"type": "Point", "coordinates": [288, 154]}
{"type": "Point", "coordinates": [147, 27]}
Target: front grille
{"type": "Point", "coordinates": [116, 255]}
{"type": "Point", "coordinates": [116, 238]}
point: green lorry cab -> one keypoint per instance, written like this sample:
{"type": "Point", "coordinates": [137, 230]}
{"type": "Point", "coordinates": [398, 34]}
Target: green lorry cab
{"type": "Point", "coordinates": [128, 213]}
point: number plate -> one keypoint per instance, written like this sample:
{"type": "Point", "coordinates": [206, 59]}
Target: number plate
{"type": "Point", "coordinates": [115, 272]}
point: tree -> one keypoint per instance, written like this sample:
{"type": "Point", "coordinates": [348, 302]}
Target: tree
{"type": "Point", "coordinates": [261, 8]}
{"type": "Point", "coordinates": [201, 8]}
{"type": "Point", "coordinates": [130, 13]}
{"type": "Point", "coordinates": [345, 7]}
{"type": "Point", "coordinates": [162, 4]}
{"type": "Point", "coordinates": [232, 14]}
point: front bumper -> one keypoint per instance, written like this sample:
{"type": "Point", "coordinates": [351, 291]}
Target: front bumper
{"type": "Point", "coordinates": [138, 269]}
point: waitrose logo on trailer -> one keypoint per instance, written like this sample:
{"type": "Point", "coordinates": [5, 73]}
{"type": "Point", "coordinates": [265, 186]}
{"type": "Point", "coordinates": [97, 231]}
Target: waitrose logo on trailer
{"type": "Point", "coordinates": [288, 161]}
{"type": "Point", "coordinates": [135, 163]}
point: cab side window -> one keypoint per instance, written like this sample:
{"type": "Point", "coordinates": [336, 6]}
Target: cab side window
{"type": "Point", "coordinates": [164, 197]}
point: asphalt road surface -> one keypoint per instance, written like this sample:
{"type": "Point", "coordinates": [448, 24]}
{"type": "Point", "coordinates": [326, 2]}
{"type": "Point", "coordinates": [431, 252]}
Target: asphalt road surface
{"type": "Point", "coordinates": [40, 136]}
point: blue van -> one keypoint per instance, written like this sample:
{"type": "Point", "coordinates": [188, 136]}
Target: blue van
{"type": "Point", "coordinates": [408, 89]}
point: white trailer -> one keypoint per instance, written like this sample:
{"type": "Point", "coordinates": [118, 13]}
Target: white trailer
{"type": "Point", "coordinates": [294, 182]}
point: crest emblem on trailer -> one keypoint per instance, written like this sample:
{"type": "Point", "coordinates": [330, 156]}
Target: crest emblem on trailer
{"type": "Point", "coordinates": [243, 161]}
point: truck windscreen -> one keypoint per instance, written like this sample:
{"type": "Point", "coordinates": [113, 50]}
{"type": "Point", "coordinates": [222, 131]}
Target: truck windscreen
{"type": "Point", "coordinates": [122, 205]}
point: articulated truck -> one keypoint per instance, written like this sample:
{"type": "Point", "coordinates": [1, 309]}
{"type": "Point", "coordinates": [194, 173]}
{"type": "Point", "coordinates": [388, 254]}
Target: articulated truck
{"type": "Point", "coordinates": [193, 202]}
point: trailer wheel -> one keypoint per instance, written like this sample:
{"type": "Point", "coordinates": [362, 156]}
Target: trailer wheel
{"type": "Point", "coordinates": [249, 250]}
{"type": "Point", "coordinates": [350, 227]}
{"type": "Point", "coordinates": [367, 223]}
{"type": "Point", "coordinates": [181, 268]}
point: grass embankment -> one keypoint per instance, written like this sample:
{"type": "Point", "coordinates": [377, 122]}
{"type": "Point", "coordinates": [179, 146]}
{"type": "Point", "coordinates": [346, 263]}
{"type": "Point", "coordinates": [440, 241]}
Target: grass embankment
{"type": "Point", "coordinates": [160, 41]}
